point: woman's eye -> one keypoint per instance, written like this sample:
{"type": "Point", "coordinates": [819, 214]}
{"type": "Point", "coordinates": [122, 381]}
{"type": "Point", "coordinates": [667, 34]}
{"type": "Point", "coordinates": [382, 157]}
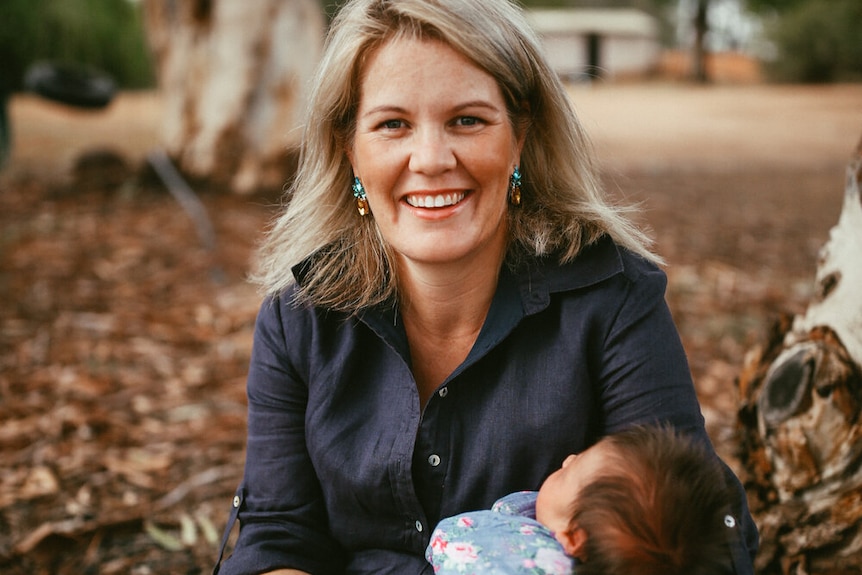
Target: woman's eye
{"type": "Point", "coordinates": [392, 124]}
{"type": "Point", "coordinates": [468, 121]}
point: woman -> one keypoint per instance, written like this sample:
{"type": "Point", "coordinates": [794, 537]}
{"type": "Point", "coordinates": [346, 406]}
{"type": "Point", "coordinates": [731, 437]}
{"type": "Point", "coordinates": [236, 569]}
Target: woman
{"type": "Point", "coordinates": [453, 307]}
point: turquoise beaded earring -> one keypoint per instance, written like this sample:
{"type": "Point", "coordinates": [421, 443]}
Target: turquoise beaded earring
{"type": "Point", "coordinates": [361, 198]}
{"type": "Point", "coordinates": [515, 187]}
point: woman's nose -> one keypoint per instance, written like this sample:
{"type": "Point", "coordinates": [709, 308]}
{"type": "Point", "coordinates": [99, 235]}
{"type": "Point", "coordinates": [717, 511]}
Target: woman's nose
{"type": "Point", "coordinates": [432, 152]}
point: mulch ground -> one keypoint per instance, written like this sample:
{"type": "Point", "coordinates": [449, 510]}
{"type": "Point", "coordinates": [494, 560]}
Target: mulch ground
{"type": "Point", "coordinates": [124, 349]}
{"type": "Point", "coordinates": [124, 343]}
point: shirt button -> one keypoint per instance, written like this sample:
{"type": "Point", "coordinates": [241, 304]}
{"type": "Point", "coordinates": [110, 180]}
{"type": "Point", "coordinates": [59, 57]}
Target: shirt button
{"type": "Point", "coordinates": [434, 460]}
{"type": "Point", "coordinates": [443, 392]}
{"type": "Point", "coordinates": [419, 526]}
{"type": "Point", "coordinates": [236, 500]}
{"type": "Point", "coordinates": [729, 521]}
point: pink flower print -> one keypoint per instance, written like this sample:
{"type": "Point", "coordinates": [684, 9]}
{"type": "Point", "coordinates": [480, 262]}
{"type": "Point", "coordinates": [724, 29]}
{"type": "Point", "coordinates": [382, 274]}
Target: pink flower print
{"type": "Point", "coordinates": [460, 553]}
{"type": "Point", "coordinates": [529, 563]}
{"type": "Point", "coordinates": [438, 544]}
{"type": "Point", "coordinates": [527, 529]}
{"type": "Point", "coordinates": [465, 522]}
{"type": "Point", "coordinates": [553, 561]}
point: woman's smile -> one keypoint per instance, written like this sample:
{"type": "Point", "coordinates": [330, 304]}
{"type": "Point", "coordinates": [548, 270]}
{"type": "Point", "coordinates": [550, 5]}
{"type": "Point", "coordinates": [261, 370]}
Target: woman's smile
{"type": "Point", "coordinates": [434, 200]}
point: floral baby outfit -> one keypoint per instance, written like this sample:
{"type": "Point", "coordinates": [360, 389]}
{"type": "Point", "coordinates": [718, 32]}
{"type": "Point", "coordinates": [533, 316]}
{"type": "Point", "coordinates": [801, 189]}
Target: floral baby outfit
{"type": "Point", "coordinates": [507, 540]}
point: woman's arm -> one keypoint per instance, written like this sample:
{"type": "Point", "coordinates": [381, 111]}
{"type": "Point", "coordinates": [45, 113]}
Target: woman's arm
{"type": "Point", "coordinates": [645, 377]}
{"type": "Point", "coordinates": [643, 374]}
{"type": "Point", "coordinates": [280, 507]}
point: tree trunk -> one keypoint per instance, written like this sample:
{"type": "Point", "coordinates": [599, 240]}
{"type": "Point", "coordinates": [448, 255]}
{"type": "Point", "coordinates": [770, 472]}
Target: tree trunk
{"type": "Point", "coordinates": [698, 56]}
{"type": "Point", "coordinates": [801, 416]}
{"type": "Point", "coordinates": [233, 78]}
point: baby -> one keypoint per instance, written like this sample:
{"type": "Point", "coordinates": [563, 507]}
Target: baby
{"type": "Point", "coordinates": [646, 501]}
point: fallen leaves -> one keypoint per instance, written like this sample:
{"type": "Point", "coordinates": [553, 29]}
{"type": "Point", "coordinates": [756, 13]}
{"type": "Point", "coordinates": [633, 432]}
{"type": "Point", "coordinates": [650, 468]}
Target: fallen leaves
{"type": "Point", "coordinates": [123, 355]}
{"type": "Point", "coordinates": [122, 413]}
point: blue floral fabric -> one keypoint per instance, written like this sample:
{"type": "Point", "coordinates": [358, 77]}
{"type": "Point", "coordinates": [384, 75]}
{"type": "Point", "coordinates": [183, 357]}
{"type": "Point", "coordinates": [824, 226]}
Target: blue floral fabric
{"type": "Point", "coordinates": [506, 540]}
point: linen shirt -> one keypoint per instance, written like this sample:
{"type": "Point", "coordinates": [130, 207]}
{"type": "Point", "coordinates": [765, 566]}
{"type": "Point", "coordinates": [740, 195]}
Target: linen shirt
{"type": "Point", "coordinates": [346, 474]}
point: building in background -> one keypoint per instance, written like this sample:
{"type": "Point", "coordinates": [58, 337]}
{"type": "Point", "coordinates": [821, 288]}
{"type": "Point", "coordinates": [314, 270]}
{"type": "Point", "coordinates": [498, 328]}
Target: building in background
{"type": "Point", "coordinates": [608, 43]}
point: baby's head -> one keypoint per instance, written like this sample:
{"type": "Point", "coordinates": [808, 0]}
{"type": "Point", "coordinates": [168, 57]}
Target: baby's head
{"type": "Point", "coordinates": [646, 500]}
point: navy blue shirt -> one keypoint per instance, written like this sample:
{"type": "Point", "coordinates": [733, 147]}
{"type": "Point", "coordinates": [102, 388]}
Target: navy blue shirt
{"type": "Point", "coordinates": [346, 474]}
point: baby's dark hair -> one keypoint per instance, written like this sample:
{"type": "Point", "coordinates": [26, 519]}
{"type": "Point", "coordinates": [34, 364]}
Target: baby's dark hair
{"type": "Point", "coordinates": [658, 508]}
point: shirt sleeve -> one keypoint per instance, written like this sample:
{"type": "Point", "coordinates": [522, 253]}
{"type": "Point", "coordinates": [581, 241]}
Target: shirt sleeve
{"type": "Point", "coordinates": [643, 372]}
{"type": "Point", "coordinates": [283, 522]}
{"type": "Point", "coordinates": [644, 378]}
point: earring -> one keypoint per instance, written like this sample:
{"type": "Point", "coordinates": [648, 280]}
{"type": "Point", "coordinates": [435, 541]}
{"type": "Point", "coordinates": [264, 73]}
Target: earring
{"type": "Point", "coordinates": [515, 187]}
{"type": "Point", "coordinates": [361, 199]}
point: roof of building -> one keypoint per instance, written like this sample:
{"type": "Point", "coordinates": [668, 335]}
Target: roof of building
{"type": "Point", "coordinates": [611, 21]}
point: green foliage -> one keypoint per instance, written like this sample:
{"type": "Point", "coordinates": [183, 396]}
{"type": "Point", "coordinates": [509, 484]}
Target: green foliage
{"type": "Point", "coordinates": [104, 34]}
{"type": "Point", "coordinates": [818, 41]}
{"type": "Point", "coordinates": [331, 7]}
{"type": "Point", "coordinates": [774, 6]}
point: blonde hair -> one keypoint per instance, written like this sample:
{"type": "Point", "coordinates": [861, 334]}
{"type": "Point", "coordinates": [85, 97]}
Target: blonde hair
{"type": "Point", "coordinates": [350, 265]}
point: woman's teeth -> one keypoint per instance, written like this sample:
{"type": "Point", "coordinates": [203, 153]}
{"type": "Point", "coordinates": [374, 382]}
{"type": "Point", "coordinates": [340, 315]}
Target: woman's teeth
{"type": "Point", "coordinates": [435, 201]}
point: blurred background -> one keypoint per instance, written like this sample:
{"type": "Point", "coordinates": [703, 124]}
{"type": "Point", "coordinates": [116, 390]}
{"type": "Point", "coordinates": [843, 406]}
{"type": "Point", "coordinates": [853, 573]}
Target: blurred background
{"type": "Point", "coordinates": [144, 146]}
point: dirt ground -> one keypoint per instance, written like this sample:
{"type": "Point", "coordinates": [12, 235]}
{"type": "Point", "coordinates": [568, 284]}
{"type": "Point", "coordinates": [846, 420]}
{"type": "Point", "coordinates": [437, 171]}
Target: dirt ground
{"type": "Point", "coordinates": [124, 340]}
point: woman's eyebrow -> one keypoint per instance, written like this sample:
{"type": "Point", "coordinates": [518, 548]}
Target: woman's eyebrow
{"type": "Point", "coordinates": [475, 104]}
{"type": "Point", "coordinates": [385, 108]}
{"type": "Point", "coordinates": [393, 109]}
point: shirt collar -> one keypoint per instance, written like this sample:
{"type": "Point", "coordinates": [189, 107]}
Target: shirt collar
{"type": "Point", "coordinates": [521, 292]}
{"type": "Point", "coordinates": [545, 276]}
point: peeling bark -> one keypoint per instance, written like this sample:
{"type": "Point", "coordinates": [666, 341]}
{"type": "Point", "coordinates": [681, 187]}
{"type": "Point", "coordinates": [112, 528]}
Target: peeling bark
{"type": "Point", "coordinates": [801, 416]}
{"type": "Point", "coordinates": [839, 272]}
{"type": "Point", "coordinates": [233, 76]}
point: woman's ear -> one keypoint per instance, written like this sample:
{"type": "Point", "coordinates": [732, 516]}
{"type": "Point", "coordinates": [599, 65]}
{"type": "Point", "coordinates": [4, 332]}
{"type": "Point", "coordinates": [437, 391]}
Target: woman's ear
{"type": "Point", "coordinates": [574, 542]}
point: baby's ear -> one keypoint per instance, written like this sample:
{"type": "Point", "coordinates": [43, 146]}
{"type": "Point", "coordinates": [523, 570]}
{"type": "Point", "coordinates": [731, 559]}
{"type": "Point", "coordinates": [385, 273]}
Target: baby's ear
{"type": "Point", "coordinates": [574, 542]}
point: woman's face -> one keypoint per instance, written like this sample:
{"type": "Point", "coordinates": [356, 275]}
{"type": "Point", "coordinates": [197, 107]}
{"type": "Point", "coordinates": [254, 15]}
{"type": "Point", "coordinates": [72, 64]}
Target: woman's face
{"type": "Point", "coordinates": [434, 149]}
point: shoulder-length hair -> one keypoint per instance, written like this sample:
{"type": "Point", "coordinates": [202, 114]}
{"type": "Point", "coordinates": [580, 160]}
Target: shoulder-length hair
{"type": "Point", "coordinates": [349, 265]}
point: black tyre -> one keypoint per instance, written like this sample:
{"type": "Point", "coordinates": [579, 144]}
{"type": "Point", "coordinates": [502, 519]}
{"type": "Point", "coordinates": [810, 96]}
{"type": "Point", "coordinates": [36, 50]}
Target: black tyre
{"type": "Point", "coordinates": [71, 85]}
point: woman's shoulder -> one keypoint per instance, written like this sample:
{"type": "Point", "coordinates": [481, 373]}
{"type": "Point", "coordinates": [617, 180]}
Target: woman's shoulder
{"type": "Point", "coordinates": [296, 318]}
{"type": "Point", "coordinates": [598, 263]}
{"type": "Point", "coordinates": [282, 303]}
{"type": "Point", "coordinates": [292, 313]}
